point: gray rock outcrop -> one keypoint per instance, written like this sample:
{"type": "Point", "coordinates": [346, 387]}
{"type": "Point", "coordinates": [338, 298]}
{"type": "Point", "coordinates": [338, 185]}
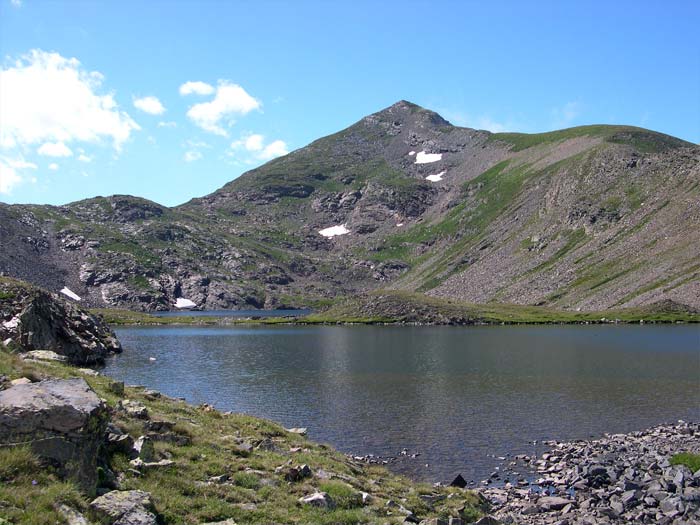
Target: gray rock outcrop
{"type": "Point", "coordinates": [34, 319]}
{"type": "Point", "coordinates": [62, 420]}
{"type": "Point", "coordinates": [128, 507]}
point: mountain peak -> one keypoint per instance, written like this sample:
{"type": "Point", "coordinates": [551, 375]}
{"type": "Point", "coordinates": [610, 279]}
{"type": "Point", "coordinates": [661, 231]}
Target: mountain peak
{"type": "Point", "coordinates": [403, 110]}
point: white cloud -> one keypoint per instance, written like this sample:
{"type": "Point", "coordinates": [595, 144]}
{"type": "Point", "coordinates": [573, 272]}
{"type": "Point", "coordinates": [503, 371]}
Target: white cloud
{"type": "Point", "coordinates": [84, 158]}
{"type": "Point", "coordinates": [53, 166]}
{"type": "Point", "coordinates": [150, 105]}
{"type": "Point", "coordinates": [274, 149]}
{"type": "Point", "coordinates": [9, 173]}
{"type": "Point", "coordinates": [199, 88]}
{"type": "Point", "coordinates": [47, 97]}
{"type": "Point", "coordinates": [167, 124]}
{"type": "Point", "coordinates": [191, 156]}
{"type": "Point", "coordinates": [16, 3]}
{"type": "Point", "coordinates": [230, 100]}
{"type": "Point", "coordinates": [54, 149]}
{"type": "Point", "coordinates": [254, 143]}
{"type": "Point", "coordinates": [9, 178]}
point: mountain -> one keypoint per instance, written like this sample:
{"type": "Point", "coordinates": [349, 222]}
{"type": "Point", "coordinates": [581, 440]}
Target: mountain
{"type": "Point", "coordinates": [588, 218]}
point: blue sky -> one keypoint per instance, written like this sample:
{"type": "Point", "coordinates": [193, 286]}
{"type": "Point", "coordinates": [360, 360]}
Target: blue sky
{"type": "Point", "coordinates": [77, 121]}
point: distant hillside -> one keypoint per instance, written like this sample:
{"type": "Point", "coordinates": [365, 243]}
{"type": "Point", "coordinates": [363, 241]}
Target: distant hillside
{"type": "Point", "coordinates": [587, 218]}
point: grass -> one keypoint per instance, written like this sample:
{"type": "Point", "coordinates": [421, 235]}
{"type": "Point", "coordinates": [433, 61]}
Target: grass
{"type": "Point", "coordinates": [342, 494]}
{"type": "Point", "coordinates": [182, 495]}
{"type": "Point", "coordinates": [486, 198]}
{"type": "Point", "coordinates": [6, 295]}
{"type": "Point", "coordinates": [141, 255]}
{"type": "Point", "coordinates": [688, 273]}
{"type": "Point", "coordinates": [246, 480]}
{"type": "Point", "coordinates": [121, 317]}
{"type": "Point", "coordinates": [641, 139]}
{"type": "Point", "coordinates": [692, 461]}
{"type": "Point", "coordinates": [490, 193]}
{"type": "Point", "coordinates": [521, 141]}
{"type": "Point", "coordinates": [573, 239]}
{"type": "Point", "coordinates": [393, 307]}
{"type": "Point", "coordinates": [30, 491]}
{"type": "Point", "coordinates": [140, 282]}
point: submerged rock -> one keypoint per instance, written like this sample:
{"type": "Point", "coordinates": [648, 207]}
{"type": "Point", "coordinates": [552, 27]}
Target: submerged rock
{"type": "Point", "coordinates": [459, 481]}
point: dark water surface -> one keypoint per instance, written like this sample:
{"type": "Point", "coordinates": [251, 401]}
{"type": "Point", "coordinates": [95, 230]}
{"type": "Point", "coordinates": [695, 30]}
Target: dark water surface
{"type": "Point", "coordinates": [453, 394]}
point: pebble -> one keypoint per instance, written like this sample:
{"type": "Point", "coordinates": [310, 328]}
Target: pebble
{"type": "Point", "coordinates": [620, 478]}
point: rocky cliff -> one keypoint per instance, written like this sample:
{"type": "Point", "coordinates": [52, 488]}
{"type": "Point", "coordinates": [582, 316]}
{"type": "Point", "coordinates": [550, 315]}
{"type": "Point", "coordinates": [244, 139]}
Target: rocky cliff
{"type": "Point", "coordinates": [586, 218]}
{"type": "Point", "coordinates": [32, 319]}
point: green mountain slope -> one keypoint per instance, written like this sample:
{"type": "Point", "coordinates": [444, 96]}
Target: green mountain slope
{"type": "Point", "coordinates": [588, 218]}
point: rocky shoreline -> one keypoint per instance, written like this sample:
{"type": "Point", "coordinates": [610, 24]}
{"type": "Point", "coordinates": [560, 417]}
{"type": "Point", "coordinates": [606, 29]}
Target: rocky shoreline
{"type": "Point", "coordinates": [139, 451]}
{"type": "Point", "coordinates": [619, 478]}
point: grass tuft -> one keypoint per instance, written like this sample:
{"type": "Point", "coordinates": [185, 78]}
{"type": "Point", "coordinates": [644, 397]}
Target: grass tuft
{"type": "Point", "coordinates": [692, 461]}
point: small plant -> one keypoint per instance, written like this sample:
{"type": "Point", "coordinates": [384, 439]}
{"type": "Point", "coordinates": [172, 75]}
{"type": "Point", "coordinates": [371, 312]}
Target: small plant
{"type": "Point", "coordinates": [246, 480]}
{"type": "Point", "coordinates": [343, 495]}
{"type": "Point", "coordinates": [692, 461]}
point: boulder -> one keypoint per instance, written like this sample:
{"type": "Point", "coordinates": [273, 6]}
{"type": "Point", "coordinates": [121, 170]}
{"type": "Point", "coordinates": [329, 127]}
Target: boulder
{"type": "Point", "coordinates": [140, 464]}
{"type": "Point", "coordinates": [39, 320]}
{"type": "Point", "coordinates": [62, 420]}
{"type": "Point", "coordinates": [459, 481]}
{"type": "Point", "coordinates": [133, 409]}
{"type": "Point", "coordinates": [487, 520]}
{"type": "Point", "coordinates": [43, 355]}
{"type": "Point", "coordinates": [553, 503]}
{"type": "Point", "coordinates": [318, 499]}
{"type": "Point", "coordinates": [117, 441]}
{"type": "Point", "coordinates": [128, 507]}
{"type": "Point", "coordinates": [143, 449]}
{"type": "Point", "coordinates": [72, 516]}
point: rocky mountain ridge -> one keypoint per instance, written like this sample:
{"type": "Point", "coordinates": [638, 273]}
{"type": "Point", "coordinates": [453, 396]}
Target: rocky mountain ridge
{"type": "Point", "coordinates": [586, 218]}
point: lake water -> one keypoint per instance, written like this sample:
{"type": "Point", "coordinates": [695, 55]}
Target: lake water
{"type": "Point", "coordinates": [456, 395]}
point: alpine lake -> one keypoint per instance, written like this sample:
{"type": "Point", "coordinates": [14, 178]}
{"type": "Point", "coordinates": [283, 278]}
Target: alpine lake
{"type": "Point", "coordinates": [434, 401]}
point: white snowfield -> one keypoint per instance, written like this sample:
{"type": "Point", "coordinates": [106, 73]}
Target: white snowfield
{"type": "Point", "coordinates": [70, 293]}
{"type": "Point", "coordinates": [411, 153]}
{"type": "Point", "coordinates": [435, 178]}
{"type": "Point", "coordinates": [426, 158]}
{"type": "Point", "coordinates": [334, 230]}
{"type": "Point", "coordinates": [181, 302]}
